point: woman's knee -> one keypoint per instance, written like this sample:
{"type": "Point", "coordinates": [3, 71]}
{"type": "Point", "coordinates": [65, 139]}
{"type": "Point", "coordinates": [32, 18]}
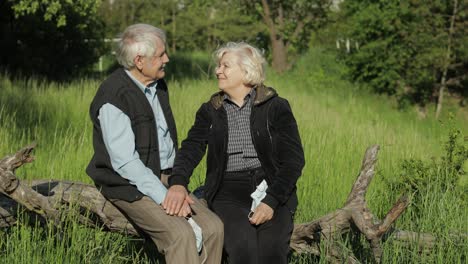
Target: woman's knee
{"type": "Point", "coordinates": [241, 251]}
{"type": "Point", "coordinates": [273, 250]}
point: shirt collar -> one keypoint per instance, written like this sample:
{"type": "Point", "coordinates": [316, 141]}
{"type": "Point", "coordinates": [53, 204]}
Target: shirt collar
{"type": "Point", "coordinates": [247, 97]}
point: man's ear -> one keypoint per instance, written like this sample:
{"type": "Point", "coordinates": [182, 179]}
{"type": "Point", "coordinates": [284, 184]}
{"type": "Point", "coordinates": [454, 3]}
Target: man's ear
{"type": "Point", "coordinates": [138, 61]}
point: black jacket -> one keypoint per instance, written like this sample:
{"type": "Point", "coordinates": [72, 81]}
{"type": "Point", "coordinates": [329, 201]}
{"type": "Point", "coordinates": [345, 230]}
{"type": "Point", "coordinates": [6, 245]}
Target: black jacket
{"type": "Point", "coordinates": [275, 137]}
{"type": "Point", "coordinates": [120, 91]}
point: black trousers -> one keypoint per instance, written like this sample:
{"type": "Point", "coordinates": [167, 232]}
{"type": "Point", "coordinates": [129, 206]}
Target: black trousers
{"type": "Point", "coordinates": [245, 243]}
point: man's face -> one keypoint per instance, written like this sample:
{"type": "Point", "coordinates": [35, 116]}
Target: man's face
{"type": "Point", "coordinates": [153, 66]}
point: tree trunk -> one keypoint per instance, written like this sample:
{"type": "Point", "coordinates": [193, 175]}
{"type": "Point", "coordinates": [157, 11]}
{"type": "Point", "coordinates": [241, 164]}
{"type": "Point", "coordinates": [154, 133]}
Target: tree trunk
{"type": "Point", "coordinates": [279, 52]}
{"type": "Point", "coordinates": [173, 30]}
{"type": "Point", "coordinates": [448, 54]}
{"type": "Point", "coordinates": [280, 58]}
{"type": "Point", "coordinates": [49, 199]}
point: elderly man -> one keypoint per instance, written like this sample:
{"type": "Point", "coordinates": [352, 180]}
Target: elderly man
{"type": "Point", "coordinates": [135, 141]}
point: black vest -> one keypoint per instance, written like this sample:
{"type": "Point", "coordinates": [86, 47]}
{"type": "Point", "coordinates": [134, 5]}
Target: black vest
{"type": "Point", "coordinates": [120, 91]}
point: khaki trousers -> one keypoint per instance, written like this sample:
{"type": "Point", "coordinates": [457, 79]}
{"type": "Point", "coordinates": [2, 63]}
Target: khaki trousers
{"type": "Point", "coordinates": [173, 235]}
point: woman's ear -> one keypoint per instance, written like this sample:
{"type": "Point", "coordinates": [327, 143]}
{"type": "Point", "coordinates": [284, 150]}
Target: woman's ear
{"type": "Point", "coordinates": [245, 78]}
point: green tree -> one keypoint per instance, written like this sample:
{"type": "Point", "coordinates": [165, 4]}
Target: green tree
{"type": "Point", "coordinates": [57, 39]}
{"type": "Point", "coordinates": [55, 10]}
{"type": "Point", "coordinates": [452, 40]}
{"type": "Point", "coordinates": [119, 14]}
{"type": "Point", "coordinates": [189, 24]}
{"type": "Point", "coordinates": [412, 49]}
{"type": "Point", "coordinates": [289, 25]}
{"type": "Point", "coordinates": [206, 24]}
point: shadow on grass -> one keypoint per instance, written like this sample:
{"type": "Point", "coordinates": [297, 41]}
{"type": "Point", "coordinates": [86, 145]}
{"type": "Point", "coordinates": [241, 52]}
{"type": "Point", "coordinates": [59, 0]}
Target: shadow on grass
{"type": "Point", "coordinates": [147, 248]}
{"type": "Point", "coordinates": [23, 112]}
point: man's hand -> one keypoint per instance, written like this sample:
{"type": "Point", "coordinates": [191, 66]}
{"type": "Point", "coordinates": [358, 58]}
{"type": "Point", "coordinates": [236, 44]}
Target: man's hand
{"type": "Point", "coordinates": [174, 201]}
{"type": "Point", "coordinates": [185, 211]}
{"type": "Point", "coordinates": [262, 213]}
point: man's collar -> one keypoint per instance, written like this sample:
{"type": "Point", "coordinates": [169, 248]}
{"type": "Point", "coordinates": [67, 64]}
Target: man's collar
{"type": "Point", "coordinates": [152, 86]}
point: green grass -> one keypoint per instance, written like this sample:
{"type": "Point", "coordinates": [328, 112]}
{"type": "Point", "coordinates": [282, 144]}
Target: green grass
{"type": "Point", "coordinates": [337, 122]}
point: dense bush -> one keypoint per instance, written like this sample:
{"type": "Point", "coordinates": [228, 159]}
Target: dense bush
{"type": "Point", "coordinates": [426, 181]}
{"type": "Point", "coordinates": [34, 45]}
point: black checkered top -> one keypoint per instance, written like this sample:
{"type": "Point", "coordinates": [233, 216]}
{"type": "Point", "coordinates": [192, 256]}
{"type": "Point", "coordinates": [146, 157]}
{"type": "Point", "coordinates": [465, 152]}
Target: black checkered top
{"type": "Point", "coordinates": [241, 152]}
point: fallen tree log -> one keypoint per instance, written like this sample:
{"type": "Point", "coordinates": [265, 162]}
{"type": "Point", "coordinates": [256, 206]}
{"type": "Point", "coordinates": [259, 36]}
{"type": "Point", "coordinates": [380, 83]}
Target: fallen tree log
{"type": "Point", "coordinates": [47, 198]}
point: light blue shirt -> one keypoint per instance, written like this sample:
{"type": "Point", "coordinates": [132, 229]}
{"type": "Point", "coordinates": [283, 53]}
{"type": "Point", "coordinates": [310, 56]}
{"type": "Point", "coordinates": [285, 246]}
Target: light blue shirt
{"type": "Point", "coordinates": [119, 139]}
{"type": "Point", "coordinates": [165, 143]}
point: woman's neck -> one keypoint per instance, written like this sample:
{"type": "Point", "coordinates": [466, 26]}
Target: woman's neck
{"type": "Point", "coordinates": [238, 95]}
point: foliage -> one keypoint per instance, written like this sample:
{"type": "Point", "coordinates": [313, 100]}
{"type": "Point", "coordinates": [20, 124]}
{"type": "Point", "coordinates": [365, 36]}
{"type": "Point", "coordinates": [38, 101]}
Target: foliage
{"type": "Point", "coordinates": [294, 20]}
{"type": "Point", "coordinates": [445, 175]}
{"type": "Point", "coordinates": [55, 10]}
{"type": "Point", "coordinates": [206, 24]}
{"type": "Point", "coordinates": [405, 46]}
{"type": "Point", "coordinates": [58, 45]}
{"type": "Point", "coordinates": [190, 24]}
{"type": "Point", "coordinates": [209, 24]}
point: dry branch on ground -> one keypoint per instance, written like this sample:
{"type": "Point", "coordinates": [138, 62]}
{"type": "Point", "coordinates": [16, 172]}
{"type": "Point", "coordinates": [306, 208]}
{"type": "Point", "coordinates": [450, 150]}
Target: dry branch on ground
{"type": "Point", "coordinates": [320, 237]}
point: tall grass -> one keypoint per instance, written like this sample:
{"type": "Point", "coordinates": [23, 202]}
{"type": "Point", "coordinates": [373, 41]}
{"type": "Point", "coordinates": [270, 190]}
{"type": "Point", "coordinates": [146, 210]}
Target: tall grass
{"type": "Point", "coordinates": [337, 122]}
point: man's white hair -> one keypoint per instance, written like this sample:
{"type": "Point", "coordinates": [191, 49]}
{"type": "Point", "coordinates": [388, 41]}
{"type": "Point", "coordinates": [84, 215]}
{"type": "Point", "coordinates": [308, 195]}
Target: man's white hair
{"type": "Point", "coordinates": [138, 39]}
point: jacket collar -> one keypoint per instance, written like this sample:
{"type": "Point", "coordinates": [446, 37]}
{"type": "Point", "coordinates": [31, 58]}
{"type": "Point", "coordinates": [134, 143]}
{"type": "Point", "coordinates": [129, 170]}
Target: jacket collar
{"type": "Point", "coordinates": [263, 94]}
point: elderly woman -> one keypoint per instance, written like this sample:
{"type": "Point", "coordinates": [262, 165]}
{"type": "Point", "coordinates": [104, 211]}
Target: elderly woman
{"type": "Point", "coordinates": [252, 137]}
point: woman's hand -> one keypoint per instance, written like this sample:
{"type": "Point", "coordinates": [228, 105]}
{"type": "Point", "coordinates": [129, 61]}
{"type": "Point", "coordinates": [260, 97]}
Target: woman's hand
{"type": "Point", "coordinates": [177, 198]}
{"type": "Point", "coordinates": [262, 213]}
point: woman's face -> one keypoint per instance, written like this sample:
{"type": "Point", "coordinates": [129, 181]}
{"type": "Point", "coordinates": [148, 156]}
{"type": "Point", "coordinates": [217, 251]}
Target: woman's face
{"type": "Point", "coordinates": [229, 73]}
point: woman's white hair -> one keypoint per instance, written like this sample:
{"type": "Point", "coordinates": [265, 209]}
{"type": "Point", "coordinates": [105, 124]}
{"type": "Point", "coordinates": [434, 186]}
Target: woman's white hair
{"type": "Point", "coordinates": [138, 39]}
{"type": "Point", "coordinates": [250, 60]}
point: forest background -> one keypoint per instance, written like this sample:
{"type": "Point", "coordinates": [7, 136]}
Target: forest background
{"type": "Point", "coordinates": [357, 73]}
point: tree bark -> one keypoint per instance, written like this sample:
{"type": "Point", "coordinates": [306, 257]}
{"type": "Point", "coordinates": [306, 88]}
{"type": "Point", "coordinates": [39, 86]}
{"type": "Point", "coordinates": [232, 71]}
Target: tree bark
{"type": "Point", "coordinates": [321, 237]}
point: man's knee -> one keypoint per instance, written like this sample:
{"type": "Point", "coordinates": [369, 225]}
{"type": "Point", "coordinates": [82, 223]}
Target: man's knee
{"type": "Point", "coordinates": [176, 234]}
{"type": "Point", "coordinates": [182, 233]}
{"type": "Point", "coordinates": [214, 228]}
